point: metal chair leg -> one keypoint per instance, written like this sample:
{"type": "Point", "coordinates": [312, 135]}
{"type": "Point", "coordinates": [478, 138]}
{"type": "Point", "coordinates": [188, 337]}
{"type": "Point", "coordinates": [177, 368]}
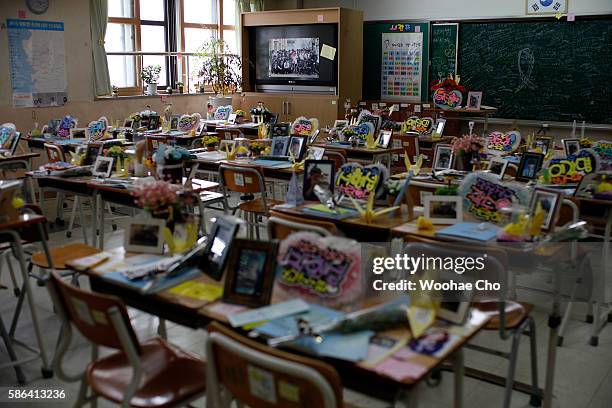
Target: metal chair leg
{"type": "Point", "coordinates": [75, 204]}
{"type": "Point", "coordinates": [536, 398]}
{"type": "Point", "coordinates": [511, 369]}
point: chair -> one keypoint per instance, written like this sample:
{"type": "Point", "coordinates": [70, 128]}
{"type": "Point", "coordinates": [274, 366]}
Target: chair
{"type": "Point", "coordinates": [281, 225]}
{"type": "Point", "coordinates": [153, 373]}
{"type": "Point", "coordinates": [511, 319]}
{"type": "Point", "coordinates": [338, 156]}
{"type": "Point", "coordinates": [233, 360]}
{"type": "Point", "coordinates": [247, 180]}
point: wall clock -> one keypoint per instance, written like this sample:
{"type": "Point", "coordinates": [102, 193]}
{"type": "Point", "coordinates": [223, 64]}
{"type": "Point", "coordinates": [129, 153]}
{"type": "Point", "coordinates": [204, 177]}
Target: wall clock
{"type": "Point", "coordinates": [37, 6]}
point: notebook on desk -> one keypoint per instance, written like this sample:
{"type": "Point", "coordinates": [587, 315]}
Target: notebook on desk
{"type": "Point", "coordinates": [472, 231]}
{"type": "Point", "coordinates": [338, 213]}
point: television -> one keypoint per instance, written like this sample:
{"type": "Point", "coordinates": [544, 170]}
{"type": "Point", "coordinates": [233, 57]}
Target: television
{"type": "Point", "coordinates": [288, 58]}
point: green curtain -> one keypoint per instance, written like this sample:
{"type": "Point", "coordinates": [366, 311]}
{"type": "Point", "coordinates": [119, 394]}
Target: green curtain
{"type": "Point", "coordinates": [98, 17]}
{"type": "Point", "coordinates": [245, 6]}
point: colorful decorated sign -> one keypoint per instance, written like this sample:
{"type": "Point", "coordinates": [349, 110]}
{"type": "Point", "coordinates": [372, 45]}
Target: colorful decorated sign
{"type": "Point", "coordinates": [304, 127]}
{"type": "Point", "coordinates": [320, 268]}
{"type": "Point", "coordinates": [189, 122]}
{"type": "Point", "coordinates": [484, 195]}
{"type": "Point", "coordinates": [419, 125]}
{"type": "Point", "coordinates": [571, 169]}
{"type": "Point", "coordinates": [400, 28]}
{"type": "Point", "coordinates": [359, 182]}
{"type": "Point", "coordinates": [363, 130]}
{"type": "Point", "coordinates": [365, 116]}
{"type": "Point", "coordinates": [447, 99]}
{"type": "Point", "coordinates": [603, 149]}
{"type": "Point", "coordinates": [223, 112]}
{"type": "Point", "coordinates": [67, 123]}
{"type": "Point", "coordinates": [7, 133]}
{"type": "Point", "coordinates": [499, 143]}
{"type": "Point", "coordinates": [96, 130]}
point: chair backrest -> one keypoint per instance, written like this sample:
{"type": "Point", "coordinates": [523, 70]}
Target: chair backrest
{"type": "Point", "coordinates": [93, 314]}
{"type": "Point", "coordinates": [338, 156]}
{"type": "Point", "coordinates": [240, 364]}
{"type": "Point", "coordinates": [242, 178]}
{"type": "Point", "coordinates": [54, 153]}
{"type": "Point", "coordinates": [419, 189]}
{"type": "Point", "coordinates": [281, 225]}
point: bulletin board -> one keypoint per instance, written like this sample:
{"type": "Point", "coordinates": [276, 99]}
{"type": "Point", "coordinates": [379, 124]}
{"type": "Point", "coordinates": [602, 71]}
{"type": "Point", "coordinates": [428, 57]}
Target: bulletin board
{"type": "Point", "coordinates": [396, 60]}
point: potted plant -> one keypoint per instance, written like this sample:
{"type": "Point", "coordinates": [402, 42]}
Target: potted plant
{"type": "Point", "coordinates": [257, 147]}
{"type": "Point", "coordinates": [210, 141]}
{"type": "Point", "coordinates": [169, 161]}
{"type": "Point", "coordinates": [221, 70]}
{"type": "Point", "coordinates": [180, 86]}
{"type": "Point", "coordinates": [150, 76]}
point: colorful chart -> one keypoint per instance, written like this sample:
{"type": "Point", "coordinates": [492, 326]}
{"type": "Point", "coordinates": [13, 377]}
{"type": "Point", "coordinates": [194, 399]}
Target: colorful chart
{"type": "Point", "coordinates": [402, 66]}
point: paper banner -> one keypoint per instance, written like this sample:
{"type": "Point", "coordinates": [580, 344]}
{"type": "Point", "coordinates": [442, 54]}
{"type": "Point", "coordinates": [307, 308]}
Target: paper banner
{"type": "Point", "coordinates": [499, 143]}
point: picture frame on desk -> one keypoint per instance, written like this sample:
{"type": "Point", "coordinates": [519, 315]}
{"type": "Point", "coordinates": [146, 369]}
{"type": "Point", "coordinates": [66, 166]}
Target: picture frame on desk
{"type": "Point", "coordinates": [279, 129]}
{"type": "Point", "coordinates": [550, 201]}
{"type": "Point", "coordinates": [174, 121]}
{"type": "Point", "coordinates": [498, 166]}
{"type": "Point", "coordinates": [280, 145]}
{"type": "Point", "coordinates": [443, 209]}
{"type": "Point", "coordinates": [544, 143]}
{"type": "Point", "coordinates": [438, 129]}
{"type": "Point", "coordinates": [315, 152]}
{"type": "Point", "coordinates": [92, 153]}
{"type": "Point", "coordinates": [250, 273]}
{"type": "Point", "coordinates": [474, 100]}
{"type": "Point", "coordinates": [231, 119]}
{"type": "Point", "coordinates": [443, 157]}
{"type": "Point", "coordinates": [10, 146]}
{"type": "Point", "coordinates": [529, 166]}
{"type": "Point", "coordinates": [318, 172]}
{"type": "Point", "coordinates": [144, 235]}
{"type": "Point", "coordinates": [78, 133]}
{"type": "Point", "coordinates": [128, 123]}
{"type": "Point", "coordinates": [153, 123]}
{"type": "Point", "coordinates": [571, 146]}
{"type": "Point", "coordinates": [385, 138]}
{"type": "Point", "coordinates": [103, 167]}
{"type": "Point", "coordinates": [340, 124]}
{"type": "Point", "coordinates": [297, 147]}
{"type": "Point", "coordinates": [218, 245]}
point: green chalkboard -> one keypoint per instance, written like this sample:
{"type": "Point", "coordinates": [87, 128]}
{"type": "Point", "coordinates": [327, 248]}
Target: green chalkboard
{"type": "Point", "coordinates": [540, 70]}
{"type": "Point", "coordinates": [443, 50]}
{"type": "Point", "coordinates": [372, 54]}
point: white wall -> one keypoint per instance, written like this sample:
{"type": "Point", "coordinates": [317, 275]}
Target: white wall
{"type": "Point", "coordinates": [452, 9]}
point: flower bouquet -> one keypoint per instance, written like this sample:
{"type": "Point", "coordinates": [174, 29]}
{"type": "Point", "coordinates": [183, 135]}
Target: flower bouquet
{"type": "Point", "coordinates": [164, 200]}
{"type": "Point", "coordinates": [118, 155]}
{"type": "Point", "coordinates": [256, 147]}
{"type": "Point", "coordinates": [467, 150]}
{"type": "Point", "coordinates": [210, 142]}
{"type": "Point", "coordinates": [169, 160]}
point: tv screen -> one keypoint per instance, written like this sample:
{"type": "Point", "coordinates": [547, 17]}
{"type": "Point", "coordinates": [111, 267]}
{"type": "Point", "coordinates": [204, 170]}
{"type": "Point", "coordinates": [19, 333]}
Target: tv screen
{"type": "Point", "coordinates": [291, 55]}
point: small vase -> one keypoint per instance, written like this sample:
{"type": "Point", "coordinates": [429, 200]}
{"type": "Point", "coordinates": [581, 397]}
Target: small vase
{"type": "Point", "coordinates": [152, 89]}
{"type": "Point", "coordinates": [172, 173]}
{"type": "Point", "coordinates": [462, 162]}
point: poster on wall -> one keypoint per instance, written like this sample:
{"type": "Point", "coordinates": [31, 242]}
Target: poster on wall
{"type": "Point", "coordinates": [37, 63]}
{"type": "Point", "coordinates": [402, 66]}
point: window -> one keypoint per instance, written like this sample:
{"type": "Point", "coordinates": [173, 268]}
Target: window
{"type": "Point", "coordinates": [165, 33]}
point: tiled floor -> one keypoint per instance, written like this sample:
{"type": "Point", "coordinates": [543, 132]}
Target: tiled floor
{"type": "Point", "coordinates": [583, 374]}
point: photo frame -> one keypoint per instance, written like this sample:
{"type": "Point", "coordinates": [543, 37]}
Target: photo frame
{"type": "Point", "coordinates": [550, 200]}
{"type": "Point", "coordinates": [297, 147]}
{"type": "Point", "coordinates": [153, 123]}
{"type": "Point", "coordinates": [529, 166]}
{"type": "Point", "coordinates": [443, 209]}
{"type": "Point", "coordinates": [144, 235]}
{"type": "Point", "coordinates": [443, 157]}
{"type": "Point", "coordinates": [315, 152]}
{"type": "Point", "coordinates": [78, 133]}
{"type": "Point", "coordinates": [474, 100]}
{"type": "Point", "coordinates": [128, 123]}
{"type": "Point", "coordinates": [218, 245]}
{"type": "Point", "coordinates": [571, 146]}
{"type": "Point", "coordinates": [280, 146]}
{"type": "Point", "coordinates": [318, 172]}
{"type": "Point", "coordinates": [340, 124]}
{"type": "Point", "coordinates": [545, 143]}
{"type": "Point", "coordinates": [11, 144]}
{"type": "Point", "coordinates": [438, 129]}
{"type": "Point", "coordinates": [279, 129]}
{"type": "Point", "coordinates": [231, 119]}
{"type": "Point", "coordinates": [250, 272]}
{"type": "Point", "coordinates": [174, 121]}
{"type": "Point", "coordinates": [498, 166]}
{"type": "Point", "coordinates": [385, 138]}
{"type": "Point", "coordinates": [103, 167]}
{"type": "Point", "coordinates": [92, 153]}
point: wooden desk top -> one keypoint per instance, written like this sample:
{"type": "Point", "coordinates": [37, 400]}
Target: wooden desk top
{"type": "Point", "coordinates": [377, 150]}
{"type": "Point", "coordinates": [23, 221]}
{"type": "Point", "coordinates": [24, 156]}
{"type": "Point", "coordinates": [270, 172]}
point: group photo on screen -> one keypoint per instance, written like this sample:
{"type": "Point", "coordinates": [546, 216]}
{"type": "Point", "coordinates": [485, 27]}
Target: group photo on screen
{"type": "Point", "coordinates": [294, 57]}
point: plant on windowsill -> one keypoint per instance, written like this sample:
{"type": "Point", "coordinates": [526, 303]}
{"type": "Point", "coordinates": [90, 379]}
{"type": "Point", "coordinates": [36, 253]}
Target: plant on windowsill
{"type": "Point", "coordinates": [180, 86]}
{"type": "Point", "coordinates": [220, 69]}
{"type": "Point", "coordinates": [150, 76]}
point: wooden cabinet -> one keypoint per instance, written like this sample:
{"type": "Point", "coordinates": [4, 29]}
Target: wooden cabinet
{"type": "Point", "coordinates": [291, 106]}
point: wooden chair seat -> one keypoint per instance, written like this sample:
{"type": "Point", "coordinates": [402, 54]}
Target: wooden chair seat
{"type": "Point", "coordinates": [61, 255]}
{"type": "Point", "coordinates": [256, 206]}
{"type": "Point", "coordinates": [170, 375]}
{"type": "Point", "coordinates": [516, 312]}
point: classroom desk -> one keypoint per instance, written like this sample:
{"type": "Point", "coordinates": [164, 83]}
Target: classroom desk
{"type": "Point", "coordinates": [364, 154]}
{"type": "Point", "coordinates": [269, 172]}
{"type": "Point", "coordinates": [250, 130]}
{"type": "Point", "coordinates": [20, 161]}
{"type": "Point", "coordinates": [356, 227]}
{"type": "Point", "coordinates": [357, 376]}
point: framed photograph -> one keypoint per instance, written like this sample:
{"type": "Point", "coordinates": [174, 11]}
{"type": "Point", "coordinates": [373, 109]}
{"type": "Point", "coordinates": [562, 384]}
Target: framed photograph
{"type": "Point", "coordinates": [318, 172]}
{"type": "Point", "coordinates": [550, 201]}
{"type": "Point", "coordinates": [280, 145]}
{"type": "Point", "coordinates": [201, 128]}
{"type": "Point", "coordinates": [78, 133]}
{"type": "Point", "coordinates": [438, 130]}
{"type": "Point", "coordinates": [128, 123]}
{"type": "Point", "coordinates": [91, 154]}
{"type": "Point", "coordinates": [315, 152]}
{"type": "Point", "coordinates": [297, 147]}
{"type": "Point", "coordinates": [529, 166]}
{"type": "Point", "coordinates": [279, 129]}
{"type": "Point", "coordinates": [544, 143]}
{"type": "Point", "coordinates": [218, 246]}
{"type": "Point", "coordinates": [443, 157]}
{"type": "Point", "coordinates": [443, 209]}
{"type": "Point", "coordinates": [474, 100]}
{"type": "Point", "coordinates": [498, 166]}
{"type": "Point", "coordinates": [144, 235]}
{"type": "Point", "coordinates": [174, 121]}
{"type": "Point", "coordinates": [153, 123]}
{"type": "Point", "coordinates": [144, 122]}
{"type": "Point", "coordinates": [455, 312]}
{"type": "Point", "coordinates": [571, 146]}
{"type": "Point", "coordinates": [135, 124]}
{"type": "Point", "coordinates": [385, 138]}
{"type": "Point", "coordinates": [103, 167]}
{"type": "Point", "coordinates": [535, 7]}
{"type": "Point", "coordinates": [232, 118]}
{"type": "Point", "coordinates": [341, 123]}
{"type": "Point", "coordinates": [250, 273]}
